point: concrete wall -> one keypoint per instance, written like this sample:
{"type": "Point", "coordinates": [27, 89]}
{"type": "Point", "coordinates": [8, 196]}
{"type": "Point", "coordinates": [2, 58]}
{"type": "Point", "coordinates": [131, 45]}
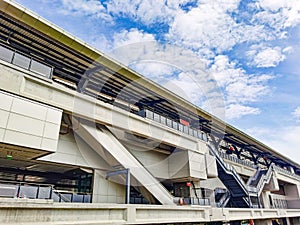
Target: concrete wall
{"type": "Point", "coordinates": [184, 164]}
{"type": "Point", "coordinates": [75, 151]}
{"type": "Point", "coordinates": [29, 212]}
{"type": "Point", "coordinates": [105, 191]}
{"type": "Point", "coordinates": [155, 162]}
{"type": "Point", "coordinates": [28, 123]}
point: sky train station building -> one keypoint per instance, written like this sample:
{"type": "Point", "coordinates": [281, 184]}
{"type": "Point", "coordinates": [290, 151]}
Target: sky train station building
{"type": "Point", "coordinates": [86, 140]}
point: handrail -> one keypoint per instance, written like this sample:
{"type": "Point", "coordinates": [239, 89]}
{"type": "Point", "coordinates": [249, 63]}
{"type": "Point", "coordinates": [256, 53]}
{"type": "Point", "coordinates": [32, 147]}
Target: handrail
{"type": "Point", "coordinates": [61, 196]}
{"type": "Point", "coordinates": [38, 191]}
{"type": "Point", "coordinates": [228, 168]}
{"type": "Point", "coordinates": [224, 199]}
{"type": "Point", "coordinates": [255, 177]}
{"type": "Point", "coordinates": [31, 62]}
{"type": "Point", "coordinates": [248, 189]}
{"type": "Point", "coordinates": [265, 178]}
{"type": "Point", "coordinates": [286, 172]}
{"type": "Point", "coordinates": [236, 160]}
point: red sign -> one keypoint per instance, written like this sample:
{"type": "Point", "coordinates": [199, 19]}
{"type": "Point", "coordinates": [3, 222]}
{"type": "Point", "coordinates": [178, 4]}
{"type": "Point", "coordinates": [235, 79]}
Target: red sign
{"type": "Point", "coordinates": [184, 122]}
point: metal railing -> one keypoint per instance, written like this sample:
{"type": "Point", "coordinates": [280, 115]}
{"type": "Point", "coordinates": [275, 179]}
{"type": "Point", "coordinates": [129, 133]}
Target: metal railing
{"type": "Point", "coordinates": [236, 160]}
{"type": "Point", "coordinates": [286, 172]}
{"type": "Point", "coordinates": [278, 201]}
{"type": "Point", "coordinates": [264, 179]}
{"type": "Point", "coordinates": [192, 201]}
{"type": "Point", "coordinates": [40, 191]}
{"type": "Point", "coordinates": [173, 124]}
{"type": "Point", "coordinates": [249, 190]}
{"type": "Point", "coordinates": [25, 61]}
{"type": "Point", "coordinates": [223, 200]}
{"type": "Point", "coordinates": [228, 168]}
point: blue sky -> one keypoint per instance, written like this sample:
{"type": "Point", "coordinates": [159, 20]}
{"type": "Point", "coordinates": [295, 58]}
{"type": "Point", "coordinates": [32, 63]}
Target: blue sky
{"type": "Point", "coordinates": [237, 59]}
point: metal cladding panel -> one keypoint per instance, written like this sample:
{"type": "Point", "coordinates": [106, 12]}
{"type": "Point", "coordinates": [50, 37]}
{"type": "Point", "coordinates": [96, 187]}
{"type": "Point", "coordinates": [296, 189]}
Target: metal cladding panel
{"type": "Point", "coordinates": [28, 123]}
{"type": "Point", "coordinates": [211, 166]}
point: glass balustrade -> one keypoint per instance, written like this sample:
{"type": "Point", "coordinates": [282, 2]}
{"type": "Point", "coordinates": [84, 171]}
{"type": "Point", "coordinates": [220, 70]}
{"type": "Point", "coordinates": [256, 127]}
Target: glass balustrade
{"type": "Point", "coordinates": [25, 62]}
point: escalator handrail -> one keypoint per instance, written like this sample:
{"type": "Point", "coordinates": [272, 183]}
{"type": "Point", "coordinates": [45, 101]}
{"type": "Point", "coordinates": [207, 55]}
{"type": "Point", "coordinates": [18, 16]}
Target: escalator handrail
{"type": "Point", "coordinates": [228, 168]}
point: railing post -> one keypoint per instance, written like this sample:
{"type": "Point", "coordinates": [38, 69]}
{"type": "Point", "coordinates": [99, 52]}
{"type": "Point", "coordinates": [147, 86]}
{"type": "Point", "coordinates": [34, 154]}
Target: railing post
{"type": "Point", "coordinates": [37, 192]}
{"type": "Point", "coordinates": [18, 192]}
{"type": "Point", "coordinates": [128, 186]}
{"type": "Point", "coordinates": [50, 194]}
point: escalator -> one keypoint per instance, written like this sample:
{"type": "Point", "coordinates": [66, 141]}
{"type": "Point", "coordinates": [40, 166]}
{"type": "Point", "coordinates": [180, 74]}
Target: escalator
{"type": "Point", "coordinates": [241, 195]}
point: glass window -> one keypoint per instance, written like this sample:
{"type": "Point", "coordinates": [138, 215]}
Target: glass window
{"type": "Point", "coordinates": [199, 134]}
{"type": "Point", "coordinates": [40, 68]}
{"type": "Point", "coordinates": [163, 120]}
{"type": "Point", "coordinates": [21, 60]}
{"type": "Point", "coordinates": [6, 54]}
{"type": "Point", "coordinates": [149, 114]}
{"type": "Point", "coordinates": [175, 125]}
{"type": "Point", "coordinates": [180, 127]}
{"type": "Point", "coordinates": [204, 137]}
{"type": "Point", "coordinates": [185, 129]}
{"type": "Point", "coordinates": [169, 122]}
{"type": "Point", "coordinates": [156, 117]}
{"type": "Point", "coordinates": [195, 133]}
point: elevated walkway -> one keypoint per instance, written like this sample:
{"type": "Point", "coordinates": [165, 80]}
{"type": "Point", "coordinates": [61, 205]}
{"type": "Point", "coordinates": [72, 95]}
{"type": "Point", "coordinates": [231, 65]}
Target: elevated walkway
{"type": "Point", "coordinates": [101, 140]}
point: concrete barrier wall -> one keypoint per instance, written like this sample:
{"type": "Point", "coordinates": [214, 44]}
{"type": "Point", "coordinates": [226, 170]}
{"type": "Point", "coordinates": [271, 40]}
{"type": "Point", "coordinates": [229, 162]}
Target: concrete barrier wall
{"type": "Point", "coordinates": [32, 212]}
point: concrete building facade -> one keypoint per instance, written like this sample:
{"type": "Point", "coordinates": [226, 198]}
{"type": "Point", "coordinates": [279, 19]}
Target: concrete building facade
{"type": "Point", "coordinates": [86, 140]}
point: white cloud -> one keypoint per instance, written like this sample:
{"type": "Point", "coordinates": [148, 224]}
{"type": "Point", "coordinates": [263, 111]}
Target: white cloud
{"type": "Point", "coordinates": [205, 26]}
{"type": "Point", "coordinates": [132, 36]}
{"type": "Point", "coordinates": [272, 5]}
{"type": "Point", "coordinates": [85, 7]}
{"type": "Point", "coordinates": [211, 25]}
{"type": "Point", "coordinates": [279, 14]}
{"type": "Point", "coordinates": [296, 113]}
{"type": "Point", "coordinates": [177, 69]}
{"type": "Point", "coordinates": [239, 87]}
{"type": "Point", "coordinates": [269, 57]}
{"type": "Point", "coordinates": [147, 11]}
{"type": "Point", "coordinates": [235, 111]}
{"type": "Point", "coordinates": [154, 70]}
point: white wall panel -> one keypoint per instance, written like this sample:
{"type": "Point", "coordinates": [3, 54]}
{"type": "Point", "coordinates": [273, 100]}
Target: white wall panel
{"type": "Point", "coordinates": [28, 123]}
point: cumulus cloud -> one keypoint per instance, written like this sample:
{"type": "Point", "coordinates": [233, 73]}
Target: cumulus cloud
{"type": "Point", "coordinates": [235, 111]}
{"type": "Point", "coordinates": [85, 7]}
{"type": "Point", "coordinates": [210, 29]}
{"type": "Point", "coordinates": [268, 57]}
{"type": "Point", "coordinates": [205, 26]}
{"type": "Point", "coordinates": [278, 15]}
{"type": "Point", "coordinates": [177, 69]}
{"type": "Point", "coordinates": [272, 5]}
{"type": "Point", "coordinates": [148, 11]}
{"type": "Point", "coordinates": [239, 87]}
{"type": "Point", "coordinates": [127, 37]}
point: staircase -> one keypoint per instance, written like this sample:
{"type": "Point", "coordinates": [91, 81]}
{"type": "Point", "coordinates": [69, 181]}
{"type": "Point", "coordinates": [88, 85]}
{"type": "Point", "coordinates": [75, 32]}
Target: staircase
{"type": "Point", "coordinates": [222, 197]}
{"type": "Point", "coordinates": [240, 193]}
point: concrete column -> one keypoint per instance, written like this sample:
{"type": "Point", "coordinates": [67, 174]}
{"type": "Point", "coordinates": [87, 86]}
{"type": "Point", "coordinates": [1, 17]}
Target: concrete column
{"type": "Point", "coordinates": [105, 191]}
{"type": "Point", "coordinates": [265, 199]}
